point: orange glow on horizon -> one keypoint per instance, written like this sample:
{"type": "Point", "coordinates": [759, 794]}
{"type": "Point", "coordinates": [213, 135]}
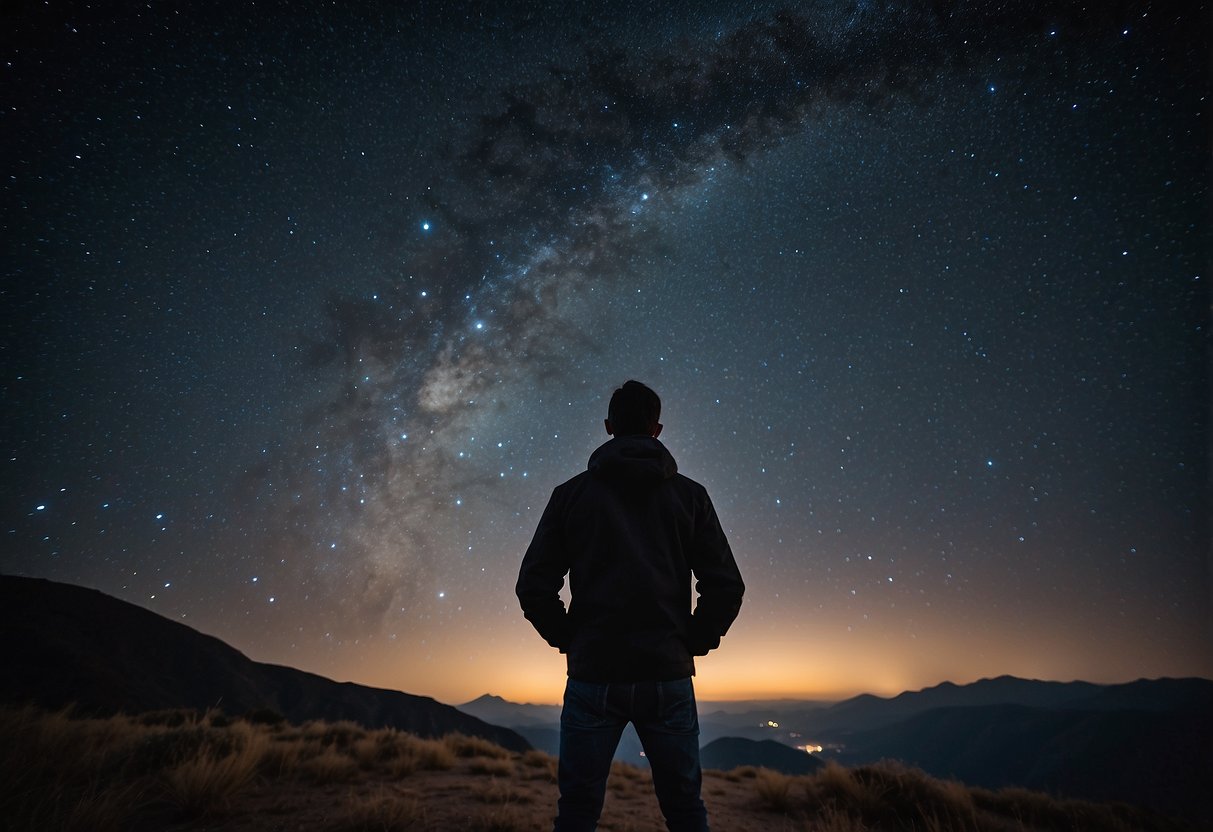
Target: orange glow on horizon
{"type": "Point", "coordinates": [758, 659]}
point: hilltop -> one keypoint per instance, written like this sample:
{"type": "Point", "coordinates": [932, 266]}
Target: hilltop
{"type": "Point", "coordinates": [66, 645]}
{"type": "Point", "coordinates": [188, 772]}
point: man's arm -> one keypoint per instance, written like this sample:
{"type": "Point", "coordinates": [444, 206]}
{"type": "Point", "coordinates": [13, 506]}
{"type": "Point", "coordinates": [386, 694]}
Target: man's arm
{"type": "Point", "coordinates": [541, 577]}
{"type": "Point", "coordinates": [718, 582]}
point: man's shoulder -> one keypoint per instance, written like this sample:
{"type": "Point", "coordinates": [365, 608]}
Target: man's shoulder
{"type": "Point", "coordinates": [571, 484]}
{"type": "Point", "coordinates": [686, 483]}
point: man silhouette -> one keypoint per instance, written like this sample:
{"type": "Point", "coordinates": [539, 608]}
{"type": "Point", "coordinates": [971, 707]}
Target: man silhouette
{"type": "Point", "coordinates": [630, 531]}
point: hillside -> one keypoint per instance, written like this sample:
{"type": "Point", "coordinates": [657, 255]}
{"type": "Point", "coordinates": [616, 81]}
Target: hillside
{"type": "Point", "coordinates": [1159, 759]}
{"type": "Point", "coordinates": [173, 772]}
{"type": "Point", "coordinates": [63, 644]}
{"type": "Point", "coordinates": [1147, 742]}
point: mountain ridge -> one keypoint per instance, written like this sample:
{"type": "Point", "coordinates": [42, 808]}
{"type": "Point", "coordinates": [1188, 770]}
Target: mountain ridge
{"type": "Point", "coordinates": [62, 644]}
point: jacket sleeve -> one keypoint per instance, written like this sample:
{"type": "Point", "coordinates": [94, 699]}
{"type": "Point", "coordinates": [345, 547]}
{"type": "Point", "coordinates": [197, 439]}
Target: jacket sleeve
{"type": "Point", "coordinates": [718, 583]}
{"type": "Point", "coordinates": [542, 576]}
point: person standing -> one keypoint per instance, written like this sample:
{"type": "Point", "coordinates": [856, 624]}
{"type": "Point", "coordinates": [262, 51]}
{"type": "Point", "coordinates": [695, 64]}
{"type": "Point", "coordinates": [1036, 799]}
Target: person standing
{"type": "Point", "coordinates": [630, 532]}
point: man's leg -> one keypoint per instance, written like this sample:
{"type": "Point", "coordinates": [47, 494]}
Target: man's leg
{"type": "Point", "coordinates": [670, 735]}
{"type": "Point", "coordinates": [589, 734]}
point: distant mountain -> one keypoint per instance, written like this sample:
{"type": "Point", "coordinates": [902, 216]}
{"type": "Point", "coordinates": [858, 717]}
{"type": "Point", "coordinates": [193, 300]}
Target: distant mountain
{"type": "Point", "coordinates": [540, 725]}
{"type": "Point", "coordinates": [732, 707]}
{"type": "Point", "coordinates": [63, 644]}
{"type": "Point", "coordinates": [1152, 695]}
{"type": "Point", "coordinates": [500, 711]}
{"type": "Point", "coordinates": [730, 752]}
{"type": "Point", "coordinates": [867, 711]}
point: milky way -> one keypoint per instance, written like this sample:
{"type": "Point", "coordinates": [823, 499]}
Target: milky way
{"type": "Point", "coordinates": [308, 314]}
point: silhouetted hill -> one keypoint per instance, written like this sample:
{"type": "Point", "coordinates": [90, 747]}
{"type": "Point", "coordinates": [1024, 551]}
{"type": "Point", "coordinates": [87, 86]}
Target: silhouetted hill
{"type": "Point", "coordinates": [1152, 695]}
{"type": "Point", "coordinates": [1160, 759]}
{"type": "Point", "coordinates": [500, 711]}
{"type": "Point", "coordinates": [730, 752]}
{"type": "Point", "coordinates": [63, 644]}
{"type": "Point", "coordinates": [866, 711]}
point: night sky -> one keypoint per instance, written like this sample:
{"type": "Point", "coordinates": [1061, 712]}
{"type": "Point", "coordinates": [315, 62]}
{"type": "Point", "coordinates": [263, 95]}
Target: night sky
{"type": "Point", "coordinates": [307, 307]}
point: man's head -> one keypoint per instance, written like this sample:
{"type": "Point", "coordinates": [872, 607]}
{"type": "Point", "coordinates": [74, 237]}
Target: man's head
{"type": "Point", "coordinates": [635, 410]}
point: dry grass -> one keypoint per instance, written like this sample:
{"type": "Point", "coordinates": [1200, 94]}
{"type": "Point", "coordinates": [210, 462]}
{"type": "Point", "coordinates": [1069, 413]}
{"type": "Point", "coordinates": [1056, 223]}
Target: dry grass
{"type": "Point", "coordinates": [503, 792]}
{"type": "Point", "coordinates": [180, 769]}
{"type": "Point", "coordinates": [330, 766]}
{"type": "Point", "coordinates": [774, 790]}
{"type": "Point", "coordinates": [496, 768]}
{"type": "Point", "coordinates": [627, 771]}
{"type": "Point", "coordinates": [382, 811]}
{"type": "Point", "coordinates": [540, 766]}
{"type": "Point", "coordinates": [464, 746]}
{"type": "Point", "coordinates": [206, 783]}
{"type": "Point", "coordinates": [501, 819]}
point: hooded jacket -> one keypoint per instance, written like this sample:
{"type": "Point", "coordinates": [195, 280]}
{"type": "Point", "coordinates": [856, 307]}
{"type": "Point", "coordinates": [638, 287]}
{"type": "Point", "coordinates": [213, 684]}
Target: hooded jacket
{"type": "Point", "coordinates": [630, 532]}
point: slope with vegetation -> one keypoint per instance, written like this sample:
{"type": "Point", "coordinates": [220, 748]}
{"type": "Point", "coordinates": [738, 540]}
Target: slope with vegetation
{"type": "Point", "coordinates": [183, 770]}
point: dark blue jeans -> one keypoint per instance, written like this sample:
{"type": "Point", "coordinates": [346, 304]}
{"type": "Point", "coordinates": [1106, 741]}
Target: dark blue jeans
{"type": "Point", "coordinates": [667, 723]}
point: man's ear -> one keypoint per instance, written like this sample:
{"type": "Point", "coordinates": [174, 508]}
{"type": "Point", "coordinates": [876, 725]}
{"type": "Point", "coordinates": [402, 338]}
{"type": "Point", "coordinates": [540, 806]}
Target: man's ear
{"type": "Point", "coordinates": [657, 430]}
{"type": "Point", "coordinates": [607, 422]}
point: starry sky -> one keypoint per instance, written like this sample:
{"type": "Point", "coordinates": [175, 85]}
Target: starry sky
{"type": "Point", "coordinates": [308, 306]}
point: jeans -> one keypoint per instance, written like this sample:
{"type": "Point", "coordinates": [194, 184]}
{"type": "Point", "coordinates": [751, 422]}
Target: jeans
{"type": "Point", "coordinates": [667, 723]}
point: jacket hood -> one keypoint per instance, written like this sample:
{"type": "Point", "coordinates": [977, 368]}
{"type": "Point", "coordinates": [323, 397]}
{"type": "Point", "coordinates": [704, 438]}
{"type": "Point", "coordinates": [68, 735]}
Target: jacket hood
{"type": "Point", "coordinates": [633, 459]}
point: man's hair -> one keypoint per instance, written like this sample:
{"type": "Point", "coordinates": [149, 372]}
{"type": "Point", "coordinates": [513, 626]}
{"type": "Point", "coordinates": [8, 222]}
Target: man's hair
{"type": "Point", "coordinates": [634, 409]}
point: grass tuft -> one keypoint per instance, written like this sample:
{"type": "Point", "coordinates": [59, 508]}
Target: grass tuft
{"type": "Point", "coordinates": [205, 784]}
{"type": "Point", "coordinates": [330, 766]}
{"type": "Point", "coordinates": [462, 745]}
{"type": "Point", "coordinates": [382, 812]}
{"type": "Point", "coordinates": [496, 768]}
{"type": "Point", "coordinates": [774, 790]}
{"type": "Point", "coordinates": [501, 819]}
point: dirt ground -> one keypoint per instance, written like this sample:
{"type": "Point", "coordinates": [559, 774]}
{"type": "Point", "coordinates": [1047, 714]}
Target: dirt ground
{"type": "Point", "coordinates": [469, 799]}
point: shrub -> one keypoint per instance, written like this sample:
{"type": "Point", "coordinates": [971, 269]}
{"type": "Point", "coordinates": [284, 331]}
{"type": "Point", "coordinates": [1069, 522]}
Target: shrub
{"type": "Point", "coordinates": [543, 766]}
{"type": "Point", "coordinates": [832, 786]}
{"type": "Point", "coordinates": [206, 783]}
{"type": "Point", "coordinates": [329, 766]}
{"type": "Point", "coordinates": [497, 768]}
{"type": "Point", "coordinates": [281, 757]}
{"type": "Point", "coordinates": [464, 746]}
{"type": "Point", "coordinates": [431, 754]}
{"type": "Point", "coordinates": [891, 792]}
{"type": "Point", "coordinates": [774, 790]}
{"type": "Point", "coordinates": [368, 752]}
{"type": "Point", "coordinates": [1036, 810]}
{"type": "Point", "coordinates": [537, 759]}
